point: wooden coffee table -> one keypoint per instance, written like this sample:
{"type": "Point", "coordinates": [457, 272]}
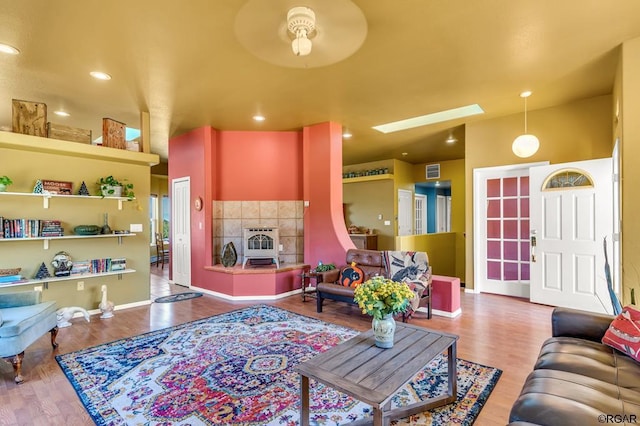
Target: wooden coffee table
{"type": "Point", "coordinates": [373, 375]}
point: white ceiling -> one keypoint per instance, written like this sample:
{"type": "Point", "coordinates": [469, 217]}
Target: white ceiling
{"type": "Point", "coordinates": [182, 62]}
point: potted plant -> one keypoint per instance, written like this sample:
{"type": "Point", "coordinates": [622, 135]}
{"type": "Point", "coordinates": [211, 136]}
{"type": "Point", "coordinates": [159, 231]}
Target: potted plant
{"type": "Point", "coordinates": [112, 187]}
{"type": "Point", "coordinates": [382, 298]}
{"type": "Point", "coordinates": [4, 182]}
{"type": "Point", "coordinates": [323, 267]}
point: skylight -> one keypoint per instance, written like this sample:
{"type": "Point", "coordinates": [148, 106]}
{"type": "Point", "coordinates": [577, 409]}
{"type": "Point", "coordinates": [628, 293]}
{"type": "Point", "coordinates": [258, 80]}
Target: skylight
{"type": "Point", "coordinates": [425, 120]}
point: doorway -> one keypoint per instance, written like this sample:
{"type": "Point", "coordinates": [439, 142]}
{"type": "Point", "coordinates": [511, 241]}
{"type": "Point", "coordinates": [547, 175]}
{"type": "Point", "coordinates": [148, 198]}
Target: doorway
{"type": "Point", "coordinates": [405, 212]}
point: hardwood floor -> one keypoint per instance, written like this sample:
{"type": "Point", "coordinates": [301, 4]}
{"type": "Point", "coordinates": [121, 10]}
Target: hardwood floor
{"type": "Point", "coordinates": [499, 331]}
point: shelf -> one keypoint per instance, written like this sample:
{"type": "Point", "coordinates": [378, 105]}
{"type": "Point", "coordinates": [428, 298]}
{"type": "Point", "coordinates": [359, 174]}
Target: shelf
{"type": "Point", "coordinates": [67, 237]}
{"type": "Point", "coordinates": [46, 281]}
{"type": "Point", "coordinates": [47, 197]}
{"type": "Point", "coordinates": [22, 142]}
{"type": "Point", "coordinates": [369, 178]}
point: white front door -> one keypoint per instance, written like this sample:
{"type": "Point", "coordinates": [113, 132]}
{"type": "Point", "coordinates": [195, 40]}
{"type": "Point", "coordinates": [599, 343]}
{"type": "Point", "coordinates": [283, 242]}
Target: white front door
{"type": "Point", "coordinates": [405, 212]}
{"type": "Point", "coordinates": [571, 215]}
{"type": "Point", "coordinates": [181, 231]}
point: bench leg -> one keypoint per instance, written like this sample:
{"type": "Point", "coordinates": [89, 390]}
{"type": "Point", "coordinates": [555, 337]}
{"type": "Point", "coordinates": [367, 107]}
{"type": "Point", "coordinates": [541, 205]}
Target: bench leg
{"type": "Point", "coordinates": [54, 334]}
{"type": "Point", "coordinates": [318, 302]}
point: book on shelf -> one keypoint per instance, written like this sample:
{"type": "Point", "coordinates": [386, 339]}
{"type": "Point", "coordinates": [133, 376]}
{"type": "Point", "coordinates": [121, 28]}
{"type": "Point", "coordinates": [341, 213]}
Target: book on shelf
{"type": "Point", "coordinates": [118, 264]}
{"type": "Point", "coordinates": [30, 228]}
{"type": "Point", "coordinates": [7, 279]}
{"type": "Point", "coordinates": [81, 267]}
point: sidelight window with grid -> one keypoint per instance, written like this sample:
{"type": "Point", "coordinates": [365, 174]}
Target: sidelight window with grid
{"type": "Point", "coordinates": [508, 245]}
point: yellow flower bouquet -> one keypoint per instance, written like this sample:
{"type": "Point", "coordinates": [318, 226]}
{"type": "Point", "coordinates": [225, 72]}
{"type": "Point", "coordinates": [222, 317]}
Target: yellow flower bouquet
{"type": "Point", "coordinates": [381, 296]}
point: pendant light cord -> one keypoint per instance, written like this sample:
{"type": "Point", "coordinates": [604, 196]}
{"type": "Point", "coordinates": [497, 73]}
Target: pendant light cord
{"type": "Point", "coordinates": [525, 115]}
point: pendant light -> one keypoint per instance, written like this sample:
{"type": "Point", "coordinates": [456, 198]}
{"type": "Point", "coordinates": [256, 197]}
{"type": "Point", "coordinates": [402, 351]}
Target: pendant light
{"type": "Point", "coordinates": [525, 145]}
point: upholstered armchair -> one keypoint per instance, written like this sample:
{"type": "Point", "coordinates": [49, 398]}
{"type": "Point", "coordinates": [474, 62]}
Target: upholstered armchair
{"type": "Point", "coordinates": [24, 318]}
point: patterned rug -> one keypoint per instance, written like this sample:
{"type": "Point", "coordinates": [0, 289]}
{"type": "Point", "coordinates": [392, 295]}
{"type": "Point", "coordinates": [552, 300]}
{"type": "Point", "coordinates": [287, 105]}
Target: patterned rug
{"type": "Point", "coordinates": [178, 297]}
{"type": "Point", "coordinates": [237, 369]}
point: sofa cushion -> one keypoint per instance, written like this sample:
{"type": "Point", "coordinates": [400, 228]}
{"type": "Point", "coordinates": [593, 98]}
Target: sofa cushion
{"type": "Point", "coordinates": [351, 276]}
{"type": "Point", "coordinates": [590, 359]}
{"type": "Point", "coordinates": [564, 398]}
{"type": "Point", "coordinates": [406, 266]}
{"type": "Point", "coordinates": [624, 332]}
{"type": "Point", "coordinates": [17, 320]}
{"type": "Point", "coordinates": [370, 261]}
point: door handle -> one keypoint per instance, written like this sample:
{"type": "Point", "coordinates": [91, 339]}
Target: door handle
{"type": "Point", "coordinates": [533, 248]}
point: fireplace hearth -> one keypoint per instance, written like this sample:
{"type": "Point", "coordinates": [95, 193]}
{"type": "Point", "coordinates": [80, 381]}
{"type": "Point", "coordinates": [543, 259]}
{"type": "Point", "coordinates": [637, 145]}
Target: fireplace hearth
{"type": "Point", "coordinates": [260, 244]}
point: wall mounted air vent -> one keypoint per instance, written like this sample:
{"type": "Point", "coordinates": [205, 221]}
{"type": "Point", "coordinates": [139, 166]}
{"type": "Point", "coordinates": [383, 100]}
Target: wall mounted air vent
{"type": "Point", "coordinates": [433, 171]}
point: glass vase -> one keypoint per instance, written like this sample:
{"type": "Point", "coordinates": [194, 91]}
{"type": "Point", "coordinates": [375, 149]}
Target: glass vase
{"type": "Point", "coordinates": [383, 331]}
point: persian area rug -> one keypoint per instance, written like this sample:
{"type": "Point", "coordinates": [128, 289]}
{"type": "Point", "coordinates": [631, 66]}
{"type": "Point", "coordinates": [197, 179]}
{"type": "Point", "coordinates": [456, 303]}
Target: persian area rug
{"type": "Point", "coordinates": [178, 297]}
{"type": "Point", "coordinates": [237, 369]}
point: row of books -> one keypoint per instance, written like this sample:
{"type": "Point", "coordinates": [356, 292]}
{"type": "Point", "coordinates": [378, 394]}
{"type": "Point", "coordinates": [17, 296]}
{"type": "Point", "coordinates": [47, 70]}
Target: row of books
{"type": "Point", "coordinates": [97, 266]}
{"type": "Point", "coordinates": [7, 279]}
{"type": "Point", "coordinates": [30, 228]}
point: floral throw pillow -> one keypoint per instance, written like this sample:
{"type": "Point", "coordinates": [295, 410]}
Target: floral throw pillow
{"type": "Point", "coordinates": [624, 332]}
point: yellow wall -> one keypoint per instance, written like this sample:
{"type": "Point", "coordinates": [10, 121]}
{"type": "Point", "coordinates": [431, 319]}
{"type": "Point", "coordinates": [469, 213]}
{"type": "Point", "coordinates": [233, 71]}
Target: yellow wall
{"type": "Point", "coordinates": [25, 167]}
{"type": "Point", "coordinates": [628, 129]}
{"type": "Point", "coordinates": [453, 171]}
{"type": "Point", "coordinates": [365, 201]}
{"type": "Point", "coordinates": [572, 132]}
{"type": "Point", "coordinates": [440, 249]}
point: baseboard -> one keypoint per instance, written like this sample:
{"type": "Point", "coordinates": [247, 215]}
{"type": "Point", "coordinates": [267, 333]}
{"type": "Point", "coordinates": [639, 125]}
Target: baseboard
{"type": "Point", "coordinates": [241, 298]}
{"type": "Point", "coordinates": [116, 308]}
{"type": "Point", "coordinates": [441, 313]}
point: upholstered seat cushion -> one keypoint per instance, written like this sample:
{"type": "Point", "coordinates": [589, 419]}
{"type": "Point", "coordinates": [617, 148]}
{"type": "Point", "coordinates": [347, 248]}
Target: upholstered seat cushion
{"type": "Point", "coordinates": [17, 320]}
{"type": "Point", "coordinates": [563, 398]}
{"type": "Point", "coordinates": [589, 359]}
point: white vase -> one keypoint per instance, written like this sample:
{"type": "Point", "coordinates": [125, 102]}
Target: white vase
{"type": "Point", "coordinates": [111, 191]}
{"type": "Point", "coordinates": [3, 187]}
{"type": "Point", "coordinates": [383, 331]}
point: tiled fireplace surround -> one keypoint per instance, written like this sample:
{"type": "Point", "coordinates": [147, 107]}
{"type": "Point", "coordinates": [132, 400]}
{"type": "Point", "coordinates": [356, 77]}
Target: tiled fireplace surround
{"type": "Point", "coordinates": [231, 217]}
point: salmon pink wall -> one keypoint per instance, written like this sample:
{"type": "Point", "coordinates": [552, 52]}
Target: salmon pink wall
{"type": "Point", "coordinates": [259, 166]}
{"type": "Point", "coordinates": [193, 155]}
{"type": "Point", "coordinates": [240, 166]}
{"type": "Point", "coordinates": [325, 233]}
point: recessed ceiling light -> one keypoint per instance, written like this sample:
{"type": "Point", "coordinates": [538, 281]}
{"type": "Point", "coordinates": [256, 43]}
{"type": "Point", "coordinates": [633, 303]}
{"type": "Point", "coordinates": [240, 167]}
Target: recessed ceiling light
{"type": "Point", "coordinates": [5, 48]}
{"type": "Point", "coordinates": [100, 75]}
{"type": "Point", "coordinates": [62, 113]}
{"type": "Point", "coordinates": [347, 134]}
{"type": "Point", "coordinates": [259, 117]}
{"type": "Point", "coordinates": [436, 117]}
{"type": "Point", "coordinates": [451, 139]}
{"type": "Point", "coordinates": [404, 154]}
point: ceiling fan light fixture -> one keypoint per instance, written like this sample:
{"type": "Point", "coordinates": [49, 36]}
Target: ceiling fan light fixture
{"type": "Point", "coordinates": [301, 23]}
{"type": "Point", "coordinates": [525, 145]}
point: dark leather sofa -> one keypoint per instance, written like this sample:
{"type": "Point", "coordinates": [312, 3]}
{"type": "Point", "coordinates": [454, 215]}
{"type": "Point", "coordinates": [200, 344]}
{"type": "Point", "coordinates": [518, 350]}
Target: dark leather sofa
{"type": "Point", "coordinates": [577, 380]}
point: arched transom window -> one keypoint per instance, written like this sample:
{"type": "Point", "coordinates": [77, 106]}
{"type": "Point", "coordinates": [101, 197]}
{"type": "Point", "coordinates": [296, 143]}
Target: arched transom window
{"type": "Point", "coordinates": [567, 178]}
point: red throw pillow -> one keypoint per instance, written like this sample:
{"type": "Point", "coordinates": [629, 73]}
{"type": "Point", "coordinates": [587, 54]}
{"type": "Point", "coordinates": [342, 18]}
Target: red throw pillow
{"type": "Point", "coordinates": [351, 276]}
{"type": "Point", "coordinates": [624, 332]}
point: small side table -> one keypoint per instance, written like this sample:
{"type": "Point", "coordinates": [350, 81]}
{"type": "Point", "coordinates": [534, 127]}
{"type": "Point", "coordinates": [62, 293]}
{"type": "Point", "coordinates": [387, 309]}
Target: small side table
{"type": "Point", "coordinates": [308, 290]}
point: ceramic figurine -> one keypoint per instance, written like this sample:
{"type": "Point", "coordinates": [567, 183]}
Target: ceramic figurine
{"type": "Point", "coordinates": [106, 306]}
{"type": "Point", "coordinates": [63, 315]}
